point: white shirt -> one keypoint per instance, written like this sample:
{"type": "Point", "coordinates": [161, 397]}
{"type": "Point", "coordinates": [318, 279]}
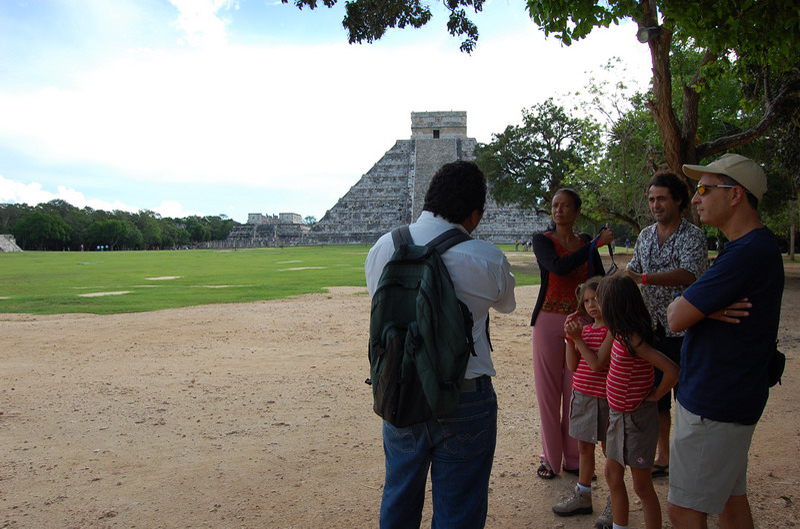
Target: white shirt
{"type": "Point", "coordinates": [481, 276]}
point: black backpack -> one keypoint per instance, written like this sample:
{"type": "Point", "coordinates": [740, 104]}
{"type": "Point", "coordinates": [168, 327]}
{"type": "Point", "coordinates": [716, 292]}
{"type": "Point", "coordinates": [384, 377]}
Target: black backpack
{"type": "Point", "coordinates": [420, 333]}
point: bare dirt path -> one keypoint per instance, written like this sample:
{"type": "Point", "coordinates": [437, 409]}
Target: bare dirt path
{"type": "Point", "coordinates": [257, 415]}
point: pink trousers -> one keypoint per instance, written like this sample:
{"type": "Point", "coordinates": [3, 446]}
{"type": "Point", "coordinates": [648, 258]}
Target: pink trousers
{"type": "Point", "coordinates": [553, 382]}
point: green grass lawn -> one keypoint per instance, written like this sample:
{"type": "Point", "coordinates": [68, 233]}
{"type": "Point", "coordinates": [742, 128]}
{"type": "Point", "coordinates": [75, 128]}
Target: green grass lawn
{"type": "Point", "coordinates": [57, 282]}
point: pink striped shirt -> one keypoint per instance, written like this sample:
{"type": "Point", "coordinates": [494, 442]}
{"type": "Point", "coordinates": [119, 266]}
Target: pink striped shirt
{"type": "Point", "coordinates": [585, 380]}
{"type": "Point", "coordinates": [629, 381]}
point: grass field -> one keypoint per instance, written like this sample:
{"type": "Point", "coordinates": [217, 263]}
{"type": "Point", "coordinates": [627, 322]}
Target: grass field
{"type": "Point", "coordinates": [119, 282]}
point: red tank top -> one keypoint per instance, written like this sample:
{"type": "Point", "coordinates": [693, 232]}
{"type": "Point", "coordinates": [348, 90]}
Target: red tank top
{"type": "Point", "coordinates": [560, 296]}
{"type": "Point", "coordinates": [630, 379]}
{"type": "Point", "coordinates": [584, 379]}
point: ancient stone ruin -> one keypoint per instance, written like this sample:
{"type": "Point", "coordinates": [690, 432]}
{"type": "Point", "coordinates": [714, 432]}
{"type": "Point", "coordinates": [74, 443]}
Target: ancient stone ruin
{"type": "Point", "coordinates": [8, 243]}
{"type": "Point", "coordinates": [392, 193]}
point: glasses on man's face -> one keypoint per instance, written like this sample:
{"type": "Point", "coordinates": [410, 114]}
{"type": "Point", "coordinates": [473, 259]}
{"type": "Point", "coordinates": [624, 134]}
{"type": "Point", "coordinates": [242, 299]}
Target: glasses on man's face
{"type": "Point", "coordinates": [702, 188]}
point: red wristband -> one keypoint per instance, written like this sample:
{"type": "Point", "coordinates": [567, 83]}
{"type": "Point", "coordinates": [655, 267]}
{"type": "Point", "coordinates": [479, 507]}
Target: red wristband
{"type": "Point", "coordinates": [644, 279]}
{"type": "Point", "coordinates": [568, 339]}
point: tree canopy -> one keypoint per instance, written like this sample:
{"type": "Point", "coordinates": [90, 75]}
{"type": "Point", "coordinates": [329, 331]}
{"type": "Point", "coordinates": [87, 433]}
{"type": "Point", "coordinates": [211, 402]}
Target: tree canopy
{"type": "Point", "coordinates": [58, 225]}
{"type": "Point", "coordinates": [368, 20]}
{"type": "Point", "coordinates": [527, 164]}
{"type": "Point", "coordinates": [758, 39]}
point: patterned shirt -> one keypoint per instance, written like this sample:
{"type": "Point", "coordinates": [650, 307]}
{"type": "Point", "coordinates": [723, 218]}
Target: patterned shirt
{"type": "Point", "coordinates": [630, 379]}
{"type": "Point", "coordinates": [686, 248]}
{"type": "Point", "coordinates": [585, 380]}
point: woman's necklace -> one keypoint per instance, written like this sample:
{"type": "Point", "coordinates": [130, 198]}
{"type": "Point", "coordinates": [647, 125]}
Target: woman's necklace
{"type": "Point", "coordinates": [569, 241]}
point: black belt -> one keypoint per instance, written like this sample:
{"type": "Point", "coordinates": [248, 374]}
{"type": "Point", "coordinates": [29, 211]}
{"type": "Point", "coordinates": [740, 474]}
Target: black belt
{"type": "Point", "coordinates": [476, 384]}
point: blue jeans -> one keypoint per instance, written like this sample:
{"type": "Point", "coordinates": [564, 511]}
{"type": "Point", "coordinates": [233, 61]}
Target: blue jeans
{"type": "Point", "coordinates": [459, 450]}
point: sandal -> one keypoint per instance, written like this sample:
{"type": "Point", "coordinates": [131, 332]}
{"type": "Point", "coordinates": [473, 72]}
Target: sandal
{"type": "Point", "coordinates": [545, 472]}
{"type": "Point", "coordinates": [660, 471]}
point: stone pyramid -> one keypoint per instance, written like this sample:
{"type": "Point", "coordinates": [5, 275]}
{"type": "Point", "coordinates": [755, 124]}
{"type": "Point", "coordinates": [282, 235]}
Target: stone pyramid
{"type": "Point", "coordinates": [393, 191]}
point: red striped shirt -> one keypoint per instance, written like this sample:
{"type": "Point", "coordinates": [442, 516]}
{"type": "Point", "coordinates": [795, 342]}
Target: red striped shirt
{"type": "Point", "coordinates": [629, 381]}
{"type": "Point", "coordinates": [585, 380]}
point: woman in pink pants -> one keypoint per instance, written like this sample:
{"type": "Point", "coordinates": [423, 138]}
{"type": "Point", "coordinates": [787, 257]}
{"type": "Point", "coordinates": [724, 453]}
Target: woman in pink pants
{"type": "Point", "coordinates": [563, 257]}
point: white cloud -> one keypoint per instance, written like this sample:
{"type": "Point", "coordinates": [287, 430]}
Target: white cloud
{"type": "Point", "coordinates": [282, 117]}
{"type": "Point", "coordinates": [32, 194]}
{"type": "Point", "coordinates": [199, 21]}
{"type": "Point", "coordinates": [173, 208]}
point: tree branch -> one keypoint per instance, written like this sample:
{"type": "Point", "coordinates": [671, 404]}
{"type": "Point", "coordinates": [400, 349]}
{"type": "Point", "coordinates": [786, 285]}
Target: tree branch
{"type": "Point", "coordinates": [772, 111]}
{"type": "Point", "coordinates": [622, 217]}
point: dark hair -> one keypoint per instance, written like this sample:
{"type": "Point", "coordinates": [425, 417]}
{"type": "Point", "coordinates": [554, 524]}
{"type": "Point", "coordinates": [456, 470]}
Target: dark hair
{"type": "Point", "coordinates": [624, 310]}
{"type": "Point", "coordinates": [751, 198]}
{"type": "Point", "coordinates": [457, 189]}
{"type": "Point", "coordinates": [677, 187]}
{"type": "Point", "coordinates": [592, 284]}
{"type": "Point", "coordinates": [576, 198]}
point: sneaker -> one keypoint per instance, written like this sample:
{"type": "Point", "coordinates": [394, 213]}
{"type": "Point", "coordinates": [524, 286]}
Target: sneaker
{"type": "Point", "coordinates": [578, 503]}
{"type": "Point", "coordinates": [605, 520]}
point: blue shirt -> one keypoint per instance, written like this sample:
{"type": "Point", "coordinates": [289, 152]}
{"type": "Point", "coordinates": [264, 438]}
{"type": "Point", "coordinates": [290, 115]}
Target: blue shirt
{"type": "Point", "coordinates": [724, 366]}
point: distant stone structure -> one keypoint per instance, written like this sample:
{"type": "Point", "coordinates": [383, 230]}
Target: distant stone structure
{"type": "Point", "coordinates": [284, 229]}
{"type": "Point", "coordinates": [393, 191]}
{"type": "Point", "coordinates": [392, 194]}
{"type": "Point", "coordinates": [258, 218]}
{"type": "Point", "coordinates": [8, 243]}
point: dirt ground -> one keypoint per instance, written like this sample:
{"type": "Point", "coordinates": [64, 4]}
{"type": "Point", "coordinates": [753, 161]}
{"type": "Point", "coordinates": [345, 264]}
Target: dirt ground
{"type": "Point", "coordinates": [257, 415]}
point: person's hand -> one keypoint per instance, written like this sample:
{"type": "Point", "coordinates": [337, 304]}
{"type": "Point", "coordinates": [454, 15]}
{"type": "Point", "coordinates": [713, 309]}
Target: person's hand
{"type": "Point", "coordinates": [651, 397]}
{"type": "Point", "coordinates": [733, 312]}
{"type": "Point", "coordinates": [606, 237]}
{"type": "Point", "coordinates": [637, 278]}
{"type": "Point", "coordinates": [573, 316]}
{"type": "Point", "coordinates": [573, 329]}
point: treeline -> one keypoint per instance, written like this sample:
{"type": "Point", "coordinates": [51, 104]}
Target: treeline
{"type": "Point", "coordinates": [58, 225]}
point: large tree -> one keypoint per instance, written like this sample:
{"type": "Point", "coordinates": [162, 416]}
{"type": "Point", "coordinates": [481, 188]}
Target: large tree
{"type": "Point", "coordinates": [527, 163]}
{"type": "Point", "coordinates": [757, 39]}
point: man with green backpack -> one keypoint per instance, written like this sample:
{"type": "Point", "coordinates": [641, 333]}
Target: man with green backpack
{"type": "Point", "coordinates": [430, 357]}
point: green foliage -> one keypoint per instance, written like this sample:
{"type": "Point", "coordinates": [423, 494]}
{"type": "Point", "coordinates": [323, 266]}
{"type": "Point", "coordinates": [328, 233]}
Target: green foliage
{"type": "Point", "coordinates": [40, 231]}
{"type": "Point", "coordinates": [526, 164]}
{"type": "Point", "coordinates": [144, 230]}
{"type": "Point", "coordinates": [368, 20]}
{"type": "Point", "coordinates": [572, 20]}
{"type": "Point", "coordinates": [11, 215]}
{"type": "Point", "coordinates": [758, 32]}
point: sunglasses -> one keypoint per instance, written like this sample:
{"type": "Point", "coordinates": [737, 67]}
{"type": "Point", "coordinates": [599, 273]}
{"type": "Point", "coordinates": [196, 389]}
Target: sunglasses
{"type": "Point", "coordinates": [702, 188]}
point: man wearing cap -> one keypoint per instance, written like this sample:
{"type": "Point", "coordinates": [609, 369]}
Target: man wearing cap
{"type": "Point", "coordinates": [730, 315]}
{"type": "Point", "coordinates": [668, 256]}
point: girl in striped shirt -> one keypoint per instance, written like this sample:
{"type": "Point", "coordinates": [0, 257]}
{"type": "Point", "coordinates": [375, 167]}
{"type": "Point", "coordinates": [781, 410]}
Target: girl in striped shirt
{"type": "Point", "coordinates": [588, 346]}
{"type": "Point", "coordinates": [633, 416]}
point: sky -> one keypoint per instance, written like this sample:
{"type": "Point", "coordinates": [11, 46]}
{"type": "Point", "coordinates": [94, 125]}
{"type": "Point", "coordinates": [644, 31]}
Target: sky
{"type": "Point", "coordinates": [230, 107]}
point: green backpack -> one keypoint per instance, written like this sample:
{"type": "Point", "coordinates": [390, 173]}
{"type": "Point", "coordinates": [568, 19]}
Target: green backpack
{"type": "Point", "coordinates": [420, 333]}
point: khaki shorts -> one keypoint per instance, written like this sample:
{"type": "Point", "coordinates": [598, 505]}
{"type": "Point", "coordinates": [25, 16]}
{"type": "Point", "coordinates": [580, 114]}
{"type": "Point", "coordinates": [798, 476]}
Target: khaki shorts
{"type": "Point", "coordinates": [632, 437]}
{"type": "Point", "coordinates": [707, 461]}
{"type": "Point", "coordinates": [588, 417]}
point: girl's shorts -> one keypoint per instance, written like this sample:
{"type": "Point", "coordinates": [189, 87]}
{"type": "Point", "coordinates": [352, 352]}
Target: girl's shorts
{"type": "Point", "coordinates": [633, 436]}
{"type": "Point", "coordinates": [588, 417]}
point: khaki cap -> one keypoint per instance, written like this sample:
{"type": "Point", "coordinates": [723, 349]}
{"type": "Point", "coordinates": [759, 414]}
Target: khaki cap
{"type": "Point", "coordinates": [745, 171]}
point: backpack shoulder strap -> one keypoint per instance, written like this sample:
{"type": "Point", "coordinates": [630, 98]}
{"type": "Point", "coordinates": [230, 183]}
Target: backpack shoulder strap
{"type": "Point", "coordinates": [448, 239]}
{"type": "Point", "coordinates": [401, 236]}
